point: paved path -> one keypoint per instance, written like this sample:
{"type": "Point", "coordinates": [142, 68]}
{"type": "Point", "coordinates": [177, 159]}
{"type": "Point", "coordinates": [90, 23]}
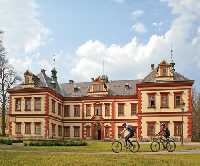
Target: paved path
{"type": "Point", "coordinates": [96, 153]}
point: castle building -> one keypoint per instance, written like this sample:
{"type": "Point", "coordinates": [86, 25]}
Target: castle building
{"type": "Point", "coordinates": [43, 108]}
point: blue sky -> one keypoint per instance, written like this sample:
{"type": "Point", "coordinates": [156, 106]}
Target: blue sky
{"type": "Point", "coordinates": [128, 34]}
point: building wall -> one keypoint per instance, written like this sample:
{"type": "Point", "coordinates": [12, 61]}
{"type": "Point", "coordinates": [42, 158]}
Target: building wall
{"type": "Point", "coordinates": [170, 114]}
{"type": "Point", "coordinates": [171, 91]}
{"type": "Point", "coordinates": [32, 121]}
{"type": "Point", "coordinates": [158, 120]}
{"type": "Point", "coordinates": [144, 114]}
{"type": "Point", "coordinates": [23, 96]}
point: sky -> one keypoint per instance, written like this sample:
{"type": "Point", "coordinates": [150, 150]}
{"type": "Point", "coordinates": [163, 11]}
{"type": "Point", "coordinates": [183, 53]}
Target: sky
{"type": "Point", "coordinates": [127, 36]}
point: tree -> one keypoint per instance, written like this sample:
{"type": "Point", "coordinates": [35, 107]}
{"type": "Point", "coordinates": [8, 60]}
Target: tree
{"type": "Point", "coordinates": [196, 115]}
{"type": "Point", "coordinates": [7, 79]}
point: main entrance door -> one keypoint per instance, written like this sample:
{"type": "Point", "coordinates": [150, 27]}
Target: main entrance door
{"type": "Point", "coordinates": [96, 131]}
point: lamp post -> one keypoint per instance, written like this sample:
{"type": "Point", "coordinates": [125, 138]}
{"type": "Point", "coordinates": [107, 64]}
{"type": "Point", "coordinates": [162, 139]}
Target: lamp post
{"type": "Point", "coordinates": [182, 111]}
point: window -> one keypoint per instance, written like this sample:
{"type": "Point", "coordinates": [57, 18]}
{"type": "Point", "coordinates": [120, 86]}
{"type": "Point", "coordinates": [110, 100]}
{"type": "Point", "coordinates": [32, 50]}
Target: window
{"type": "Point", "coordinates": [37, 103]}
{"type": "Point", "coordinates": [53, 106]}
{"type": "Point", "coordinates": [164, 71]}
{"type": "Point", "coordinates": [121, 109]}
{"type": "Point", "coordinates": [67, 111]}
{"type": "Point", "coordinates": [76, 131]}
{"type": "Point", "coordinates": [98, 109]}
{"type": "Point", "coordinates": [27, 79]}
{"type": "Point", "coordinates": [107, 109]}
{"type": "Point", "coordinates": [77, 111]}
{"type": "Point", "coordinates": [88, 131]}
{"type": "Point", "coordinates": [177, 128]}
{"type": "Point", "coordinates": [53, 129]}
{"type": "Point", "coordinates": [120, 129]}
{"type": "Point", "coordinates": [18, 104]}
{"type": "Point", "coordinates": [152, 100]}
{"type": "Point", "coordinates": [177, 100]}
{"type": "Point", "coordinates": [59, 109]}
{"type": "Point", "coordinates": [27, 128]}
{"type": "Point", "coordinates": [37, 128]}
{"type": "Point", "coordinates": [66, 131]}
{"type": "Point", "coordinates": [133, 109]}
{"type": "Point", "coordinates": [107, 132]}
{"type": "Point", "coordinates": [28, 104]}
{"type": "Point", "coordinates": [18, 128]}
{"type": "Point", "coordinates": [151, 128]}
{"type": "Point", "coordinates": [88, 110]}
{"type": "Point", "coordinates": [98, 88]}
{"type": "Point", "coordinates": [164, 100]}
{"type": "Point", "coordinates": [59, 130]}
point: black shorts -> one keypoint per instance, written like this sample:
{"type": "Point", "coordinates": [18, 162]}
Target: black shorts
{"type": "Point", "coordinates": [131, 134]}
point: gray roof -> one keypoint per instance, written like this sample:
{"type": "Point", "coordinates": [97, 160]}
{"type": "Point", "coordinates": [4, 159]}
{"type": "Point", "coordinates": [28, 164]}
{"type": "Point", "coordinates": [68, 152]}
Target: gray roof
{"type": "Point", "coordinates": [42, 81]}
{"type": "Point", "coordinates": [116, 88]}
{"type": "Point", "coordinates": [151, 77]}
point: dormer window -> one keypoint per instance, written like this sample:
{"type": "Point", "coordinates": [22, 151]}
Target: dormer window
{"type": "Point", "coordinates": [164, 71]}
{"type": "Point", "coordinates": [27, 80]}
{"type": "Point", "coordinates": [127, 86]}
{"type": "Point", "coordinates": [98, 88]}
{"type": "Point", "coordinates": [76, 89]}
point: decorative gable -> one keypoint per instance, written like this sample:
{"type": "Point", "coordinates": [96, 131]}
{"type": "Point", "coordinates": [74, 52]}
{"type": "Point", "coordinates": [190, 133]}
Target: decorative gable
{"type": "Point", "coordinates": [98, 86]}
{"type": "Point", "coordinates": [165, 71]}
{"type": "Point", "coordinates": [30, 80]}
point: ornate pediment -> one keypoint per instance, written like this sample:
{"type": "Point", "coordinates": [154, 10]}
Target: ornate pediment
{"type": "Point", "coordinates": [30, 80]}
{"type": "Point", "coordinates": [98, 86]}
{"type": "Point", "coordinates": [165, 71]}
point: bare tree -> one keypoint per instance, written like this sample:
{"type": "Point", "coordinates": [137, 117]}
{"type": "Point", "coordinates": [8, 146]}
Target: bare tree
{"type": "Point", "coordinates": [7, 79]}
{"type": "Point", "coordinates": [196, 115]}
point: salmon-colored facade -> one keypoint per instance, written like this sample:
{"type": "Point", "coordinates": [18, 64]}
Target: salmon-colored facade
{"type": "Point", "coordinates": [42, 108]}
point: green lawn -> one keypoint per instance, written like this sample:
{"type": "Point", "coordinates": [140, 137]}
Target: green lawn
{"type": "Point", "coordinates": [43, 156]}
{"type": "Point", "coordinates": [35, 159]}
{"type": "Point", "coordinates": [93, 146]}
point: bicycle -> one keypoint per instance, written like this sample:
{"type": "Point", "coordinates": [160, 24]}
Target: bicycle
{"type": "Point", "coordinates": [168, 144]}
{"type": "Point", "coordinates": [119, 143]}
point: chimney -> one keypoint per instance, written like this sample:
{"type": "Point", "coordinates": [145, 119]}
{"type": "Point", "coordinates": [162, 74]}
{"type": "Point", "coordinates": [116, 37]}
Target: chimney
{"type": "Point", "coordinates": [71, 81]}
{"type": "Point", "coordinates": [152, 66]}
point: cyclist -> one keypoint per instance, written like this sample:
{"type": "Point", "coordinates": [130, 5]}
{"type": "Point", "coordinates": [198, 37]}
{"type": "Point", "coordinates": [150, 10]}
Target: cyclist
{"type": "Point", "coordinates": [164, 131]}
{"type": "Point", "coordinates": [131, 131]}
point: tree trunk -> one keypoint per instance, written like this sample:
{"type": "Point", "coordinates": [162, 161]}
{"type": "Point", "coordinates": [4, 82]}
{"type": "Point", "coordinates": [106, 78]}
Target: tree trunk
{"type": "Point", "coordinates": [3, 127]}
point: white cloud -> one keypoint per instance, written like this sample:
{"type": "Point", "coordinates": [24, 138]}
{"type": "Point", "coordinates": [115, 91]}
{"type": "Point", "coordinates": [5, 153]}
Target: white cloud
{"type": "Point", "coordinates": [24, 33]}
{"type": "Point", "coordinates": [133, 59]}
{"type": "Point", "coordinates": [139, 27]}
{"type": "Point", "coordinates": [136, 14]}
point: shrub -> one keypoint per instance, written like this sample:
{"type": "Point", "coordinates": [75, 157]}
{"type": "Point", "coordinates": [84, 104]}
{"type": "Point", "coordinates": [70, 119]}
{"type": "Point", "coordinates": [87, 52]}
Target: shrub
{"type": "Point", "coordinates": [56, 143]}
{"type": "Point", "coordinates": [6, 141]}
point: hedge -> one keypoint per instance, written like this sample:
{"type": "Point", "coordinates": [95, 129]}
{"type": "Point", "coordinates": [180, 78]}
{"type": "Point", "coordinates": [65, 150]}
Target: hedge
{"type": "Point", "coordinates": [9, 141]}
{"type": "Point", "coordinates": [6, 141]}
{"type": "Point", "coordinates": [55, 143]}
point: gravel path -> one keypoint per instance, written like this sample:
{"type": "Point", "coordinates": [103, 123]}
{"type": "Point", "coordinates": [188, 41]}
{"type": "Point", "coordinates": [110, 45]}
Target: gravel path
{"type": "Point", "coordinates": [106, 153]}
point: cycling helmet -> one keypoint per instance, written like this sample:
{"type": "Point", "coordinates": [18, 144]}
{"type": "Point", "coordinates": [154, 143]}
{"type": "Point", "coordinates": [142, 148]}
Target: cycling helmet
{"type": "Point", "coordinates": [163, 124]}
{"type": "Point", "coordinates": [124, 124]}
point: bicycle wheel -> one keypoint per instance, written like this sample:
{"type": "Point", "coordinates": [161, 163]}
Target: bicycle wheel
{"type": "Point", "coordinates": [134, 147]}
{"type": "Point", "coordinates": [117, 146]}
{"type": "Point", "coordinates": [155, 146]}
{"type": "Point", "coordinates": [171, 146]}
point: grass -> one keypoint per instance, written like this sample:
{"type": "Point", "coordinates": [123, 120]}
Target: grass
{"type": "Point", "coordinates": [93, 146]}
{"type": "Point", "coordinates": [37, 156]}
{"type": "Point", "coordinates": [35, 159]}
